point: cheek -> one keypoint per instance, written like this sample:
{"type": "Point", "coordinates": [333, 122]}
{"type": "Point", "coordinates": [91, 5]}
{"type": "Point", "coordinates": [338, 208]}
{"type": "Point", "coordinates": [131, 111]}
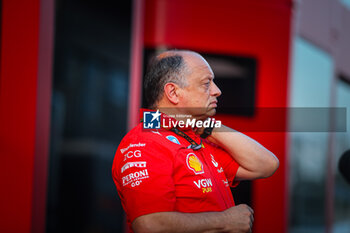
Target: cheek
{"type": "Point", "coordinates": [201, 100]}
{"type": "Point", "coordinates": [203, 95]}
{"type": "Point", "coordinates": [197, 97]}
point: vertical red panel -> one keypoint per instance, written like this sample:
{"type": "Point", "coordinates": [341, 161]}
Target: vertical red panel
{"type": "Point", "coordinates": [252, 28]}
{"type": "Point", "coordinates": [43, 112]}
{"type": "Point", "coordinates": [136, 59]}
{"type": "Point", "coordinates": [24, 115]}
{"type": "Point", "coordinates": [19, 52]}
{"type": "Point", "coordinates": [136, 66]}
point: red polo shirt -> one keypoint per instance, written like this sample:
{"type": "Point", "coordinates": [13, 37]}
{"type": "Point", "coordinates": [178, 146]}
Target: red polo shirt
{"type": "Point", "coordinates": [155, 171]}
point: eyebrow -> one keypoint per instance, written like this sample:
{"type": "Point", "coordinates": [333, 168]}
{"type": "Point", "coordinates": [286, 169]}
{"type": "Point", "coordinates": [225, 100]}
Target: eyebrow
{"type": "Point", "coordinates": [208, 77]}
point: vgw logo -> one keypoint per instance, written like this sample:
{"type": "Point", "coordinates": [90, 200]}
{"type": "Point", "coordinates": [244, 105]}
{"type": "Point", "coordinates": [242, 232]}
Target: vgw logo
{"type": "Point", "coordinates": [151, 120]}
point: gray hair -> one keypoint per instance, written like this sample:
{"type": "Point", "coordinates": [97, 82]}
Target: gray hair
{"type": "Point", "coordinates": [168, 69]}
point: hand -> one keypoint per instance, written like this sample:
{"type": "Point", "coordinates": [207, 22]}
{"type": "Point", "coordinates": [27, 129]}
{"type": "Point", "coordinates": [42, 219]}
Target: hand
{"type": "Point", "coordinates": [199, 131]}
{"type": "Point", "coordinates": [239, 219]}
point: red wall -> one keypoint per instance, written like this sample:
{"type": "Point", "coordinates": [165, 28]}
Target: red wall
{"type": "Point", "coordinates": [252, 28]}
{"type": "Point", "coordinates": [25, 97]}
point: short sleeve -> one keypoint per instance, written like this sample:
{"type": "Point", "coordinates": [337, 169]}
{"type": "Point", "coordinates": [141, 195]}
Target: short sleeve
{"type": "Point", "coordinates": [229, 165]}
{"type": "Point", "coordinates": [142, 171]}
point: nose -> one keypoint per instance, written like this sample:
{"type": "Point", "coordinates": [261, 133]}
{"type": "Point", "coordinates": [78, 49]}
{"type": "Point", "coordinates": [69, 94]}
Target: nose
{"type": "Point", "coordinates": [215, 90]}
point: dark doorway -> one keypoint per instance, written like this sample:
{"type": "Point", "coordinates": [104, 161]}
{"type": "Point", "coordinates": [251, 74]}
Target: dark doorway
{"type": "Point", "coordinates": [89, 110]}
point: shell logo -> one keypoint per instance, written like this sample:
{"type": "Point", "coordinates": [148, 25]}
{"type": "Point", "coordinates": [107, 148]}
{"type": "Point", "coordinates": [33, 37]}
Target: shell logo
{"type": "Point", "coordinates": [194, 164]}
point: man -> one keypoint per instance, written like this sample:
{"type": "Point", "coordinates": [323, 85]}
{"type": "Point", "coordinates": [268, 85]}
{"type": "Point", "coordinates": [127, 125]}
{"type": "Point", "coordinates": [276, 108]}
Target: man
{"type": "Point", "coordinates": [172, 180]}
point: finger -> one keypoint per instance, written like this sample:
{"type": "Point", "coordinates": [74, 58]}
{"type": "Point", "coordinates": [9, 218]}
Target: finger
{"type": "Point", "coordinates": [250, 209]}
{"type": "Point", "coordinates": [251, 226]}
{"type": "Point", "coordinates": [252, 218]}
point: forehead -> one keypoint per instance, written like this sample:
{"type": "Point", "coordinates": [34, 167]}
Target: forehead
{"type": "Point", "coordinates": [198, 66]}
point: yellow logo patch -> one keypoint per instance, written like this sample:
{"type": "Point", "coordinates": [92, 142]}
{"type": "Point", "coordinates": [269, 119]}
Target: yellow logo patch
{"type": "Point", "coordinates": [194, 164]}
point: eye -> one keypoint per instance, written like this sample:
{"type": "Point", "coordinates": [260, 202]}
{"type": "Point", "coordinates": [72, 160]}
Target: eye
{"type": "Point", "coordinates": [207, 82]}
{"type": "Point", "coordinates": [206, 85]}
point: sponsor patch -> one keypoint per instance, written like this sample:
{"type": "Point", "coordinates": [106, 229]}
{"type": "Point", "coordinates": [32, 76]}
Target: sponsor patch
{"type": "Point", "coordinates": [156, 132]}
{"type": "Point", "coordinates": [133, 164]}
{"type": "Point", "coordinates": [213, 161]}
{"type": "Point", "coordinates": [135, 178]}
{"type": "Point", "coordinates": [130, 154]}
{"type": "Point", "coordinates": [204, 184]}
{"type": "Point", "coordinates": [194, 164]}
{"type": "Point", "coordinates": [173, 139]}
{"type": "Point", "coordinates": [226, 182]}
{"type": "Point", "coordinates": [132, 145]}
{"type": "Point", "coordinates": [216, 164]}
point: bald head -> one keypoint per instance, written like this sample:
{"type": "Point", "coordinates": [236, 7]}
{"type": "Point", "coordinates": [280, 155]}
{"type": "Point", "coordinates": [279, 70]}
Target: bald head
{"type": "Point", "coordinates": [172, 66]}
{"type": "Point", "coordinates": [183, 53]}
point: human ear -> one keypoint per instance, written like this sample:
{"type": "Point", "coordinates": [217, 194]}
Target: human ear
{"type": "Point", "coordinates": [170, 91]}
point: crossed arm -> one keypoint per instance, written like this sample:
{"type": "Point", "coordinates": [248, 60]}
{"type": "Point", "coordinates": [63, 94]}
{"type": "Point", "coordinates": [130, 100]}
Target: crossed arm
{"type": "Point", "coordinates": [255, 162]}
{"type": "Point", "coordinates": [237, 219]}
